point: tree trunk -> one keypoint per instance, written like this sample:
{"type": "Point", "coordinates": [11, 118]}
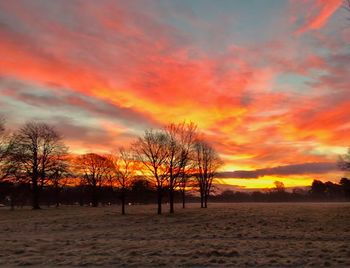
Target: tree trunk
{"type": "Point", "coordinates": [171, 199]}
{"type": "Point", "coordinates": [202, 200]}
{"type": "Point", "coordinates": [35, 193]}
{"type": "Point", "coordinates": [183, 198]}
{"type": "Point", "coordinates": [123, 200]}
{"type": "Point", "coordinates": [159, 197]}
{"type": "Point", "coordinates": [35, 177]}
{"type": "Point", "coordinates": [205, 201]}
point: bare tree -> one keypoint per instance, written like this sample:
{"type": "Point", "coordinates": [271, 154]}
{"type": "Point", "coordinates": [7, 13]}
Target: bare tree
{"type": "Point", "coordinates": [207, 164]}
{"type": "Point", "coordinates": [344, 161]}
{"type": "Point", "coordinates": [94, 170]}
{"type": "Point", "coordinates": [6, 167]}
{"type": "Point", "coordinates": [151, 151]}
{"type": "Point", "coordinates": [35, 150]}
{"type": "Point", "coordinates": [124, 172]}
{"type": "Point", "coordinates": [188, 141]}
{"type": "Point", "coordinates": [180, 140]}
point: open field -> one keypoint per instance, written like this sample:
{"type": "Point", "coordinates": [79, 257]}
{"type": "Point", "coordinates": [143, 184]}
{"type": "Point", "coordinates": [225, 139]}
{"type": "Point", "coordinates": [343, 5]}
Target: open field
{"type": "Point", "coordinates": [249, 234]}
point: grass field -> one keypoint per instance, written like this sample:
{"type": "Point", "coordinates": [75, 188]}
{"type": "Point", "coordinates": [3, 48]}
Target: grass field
{"type": "Point", "coordinates": [248, 234]}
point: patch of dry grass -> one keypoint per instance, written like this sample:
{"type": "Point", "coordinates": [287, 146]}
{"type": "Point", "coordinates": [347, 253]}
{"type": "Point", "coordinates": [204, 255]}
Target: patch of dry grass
{"type": "Point", "coordinates": [222, 235]}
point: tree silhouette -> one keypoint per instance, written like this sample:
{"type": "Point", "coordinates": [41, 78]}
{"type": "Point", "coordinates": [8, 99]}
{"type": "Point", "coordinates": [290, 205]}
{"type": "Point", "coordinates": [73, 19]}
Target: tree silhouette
{"type": "Point", "coordinates": [141, 191]}
{"type": "Point", "coordinates": [333, 190]}
{"type": "Point", "coordinates": [59, 176]}
{"type": "Point", "coordinates": [180, 140]}
{"type": "Point", "coordinates": [124, 172]}
{"type": "Point", "coordinates": [318, 189]}
{"type": "Point", "coordinates": [345, 184]}
{"type": "Point", "coordinates": [7, 168]}
{"type": "Point", "coordinates": [35, 150]}
{"type": "Point", "coordinates": [151, 151]}
{"type": "Point", "coordinates": [207, 163]}
{"type": "Point", "coordinates": [95, 171]}
{"type": "Point", "coordinates": [344, 161]}
{"type": "Point", "coordinates": [279, 186]}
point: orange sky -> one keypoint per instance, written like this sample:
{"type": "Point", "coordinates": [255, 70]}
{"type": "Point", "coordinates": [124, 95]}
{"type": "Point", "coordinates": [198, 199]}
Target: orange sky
{"type": "Point", "coordinates": [267, 83]}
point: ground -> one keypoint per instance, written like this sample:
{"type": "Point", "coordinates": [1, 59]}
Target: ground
{"type": "Point", "coordinates": [243, 234]}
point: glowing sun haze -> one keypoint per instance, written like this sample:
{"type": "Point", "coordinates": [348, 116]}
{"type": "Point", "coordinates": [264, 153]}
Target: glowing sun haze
{"type": "Point", "coordinates": [266, 81]}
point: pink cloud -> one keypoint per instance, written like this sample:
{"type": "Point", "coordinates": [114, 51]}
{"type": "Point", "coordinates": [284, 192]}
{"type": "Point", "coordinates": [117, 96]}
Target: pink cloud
{"type": "Point", "coordinates": [319, 12]}
{"type": "Point", "coordinates": [122, 62]}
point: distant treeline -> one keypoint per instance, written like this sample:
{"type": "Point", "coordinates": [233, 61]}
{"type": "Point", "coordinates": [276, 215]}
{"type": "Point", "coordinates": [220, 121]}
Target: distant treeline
{"type": "Point", "coordinates": [142, 192]}
{"type": "Point", "coordinates": [318, 192]}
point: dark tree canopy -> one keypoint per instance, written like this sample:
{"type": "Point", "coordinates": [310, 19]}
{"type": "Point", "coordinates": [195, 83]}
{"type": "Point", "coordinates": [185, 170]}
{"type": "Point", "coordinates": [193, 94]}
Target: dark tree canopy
{"type": "Point", "coordinates": [38, 153]}
{"type": "Point", "coordinates": [94, 171]}
{"type": "Point", "coordinates": [279, 186]}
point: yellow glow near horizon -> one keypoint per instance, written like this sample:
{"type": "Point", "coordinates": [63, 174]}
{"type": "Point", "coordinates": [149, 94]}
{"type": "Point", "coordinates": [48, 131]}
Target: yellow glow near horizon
{"type": "Point", "coordinates": [268, 181]}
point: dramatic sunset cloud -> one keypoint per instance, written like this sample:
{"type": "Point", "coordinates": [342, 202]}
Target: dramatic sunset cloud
{"type": "Point", "coordinates": [265, 81]}
{"type": "Point", "coordinates": [318, 13]}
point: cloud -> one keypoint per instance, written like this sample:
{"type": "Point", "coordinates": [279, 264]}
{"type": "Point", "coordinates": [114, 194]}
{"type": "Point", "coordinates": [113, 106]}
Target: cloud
{"type": "Point", "coordinates": [91, 138]}
{"type": "Point", "coordinates": [296, 169]}
{"type": "Point", "coordinates": [113, 68]}
{"type": "Point", "coordinates": [318, 13]}
{"type": "Point", "coordinates": [54, 97]}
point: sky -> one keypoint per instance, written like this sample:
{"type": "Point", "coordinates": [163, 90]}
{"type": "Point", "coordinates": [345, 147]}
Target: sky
{"type": "Point", "coordinates": [267, 82]}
